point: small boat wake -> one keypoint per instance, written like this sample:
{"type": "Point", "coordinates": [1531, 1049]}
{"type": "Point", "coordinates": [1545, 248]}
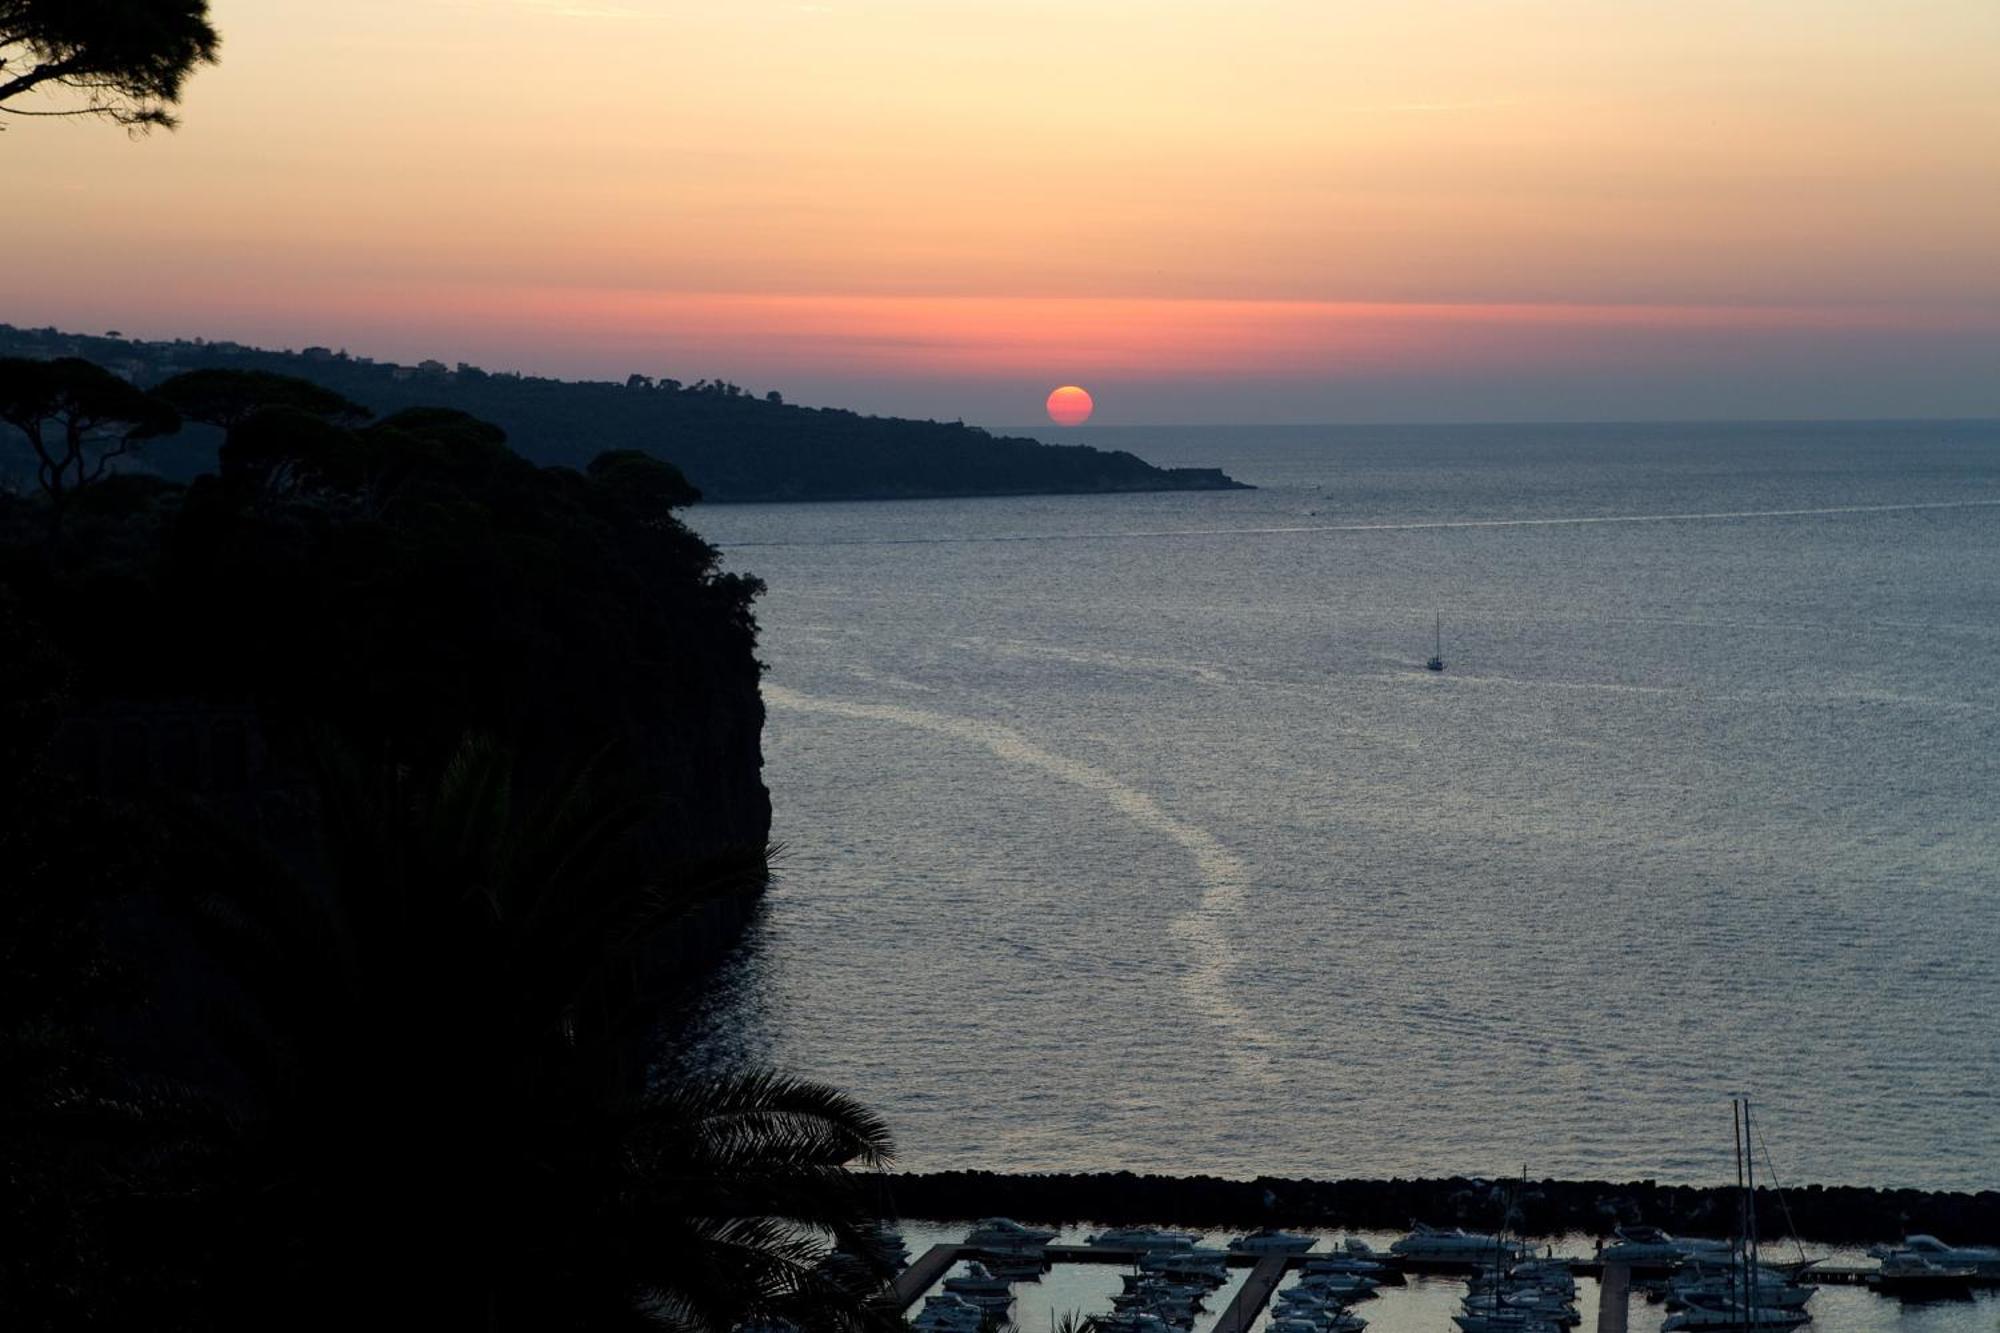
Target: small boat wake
{"type": "Point", "coordinates": [1202, 930]}
{"type": "Point", "coordinates": [1390, 525]}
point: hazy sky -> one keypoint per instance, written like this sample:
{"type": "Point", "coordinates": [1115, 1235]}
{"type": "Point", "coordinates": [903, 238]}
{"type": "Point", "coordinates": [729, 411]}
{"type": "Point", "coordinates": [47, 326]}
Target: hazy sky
{"type": "Point", "coordinates": [1202, 210]}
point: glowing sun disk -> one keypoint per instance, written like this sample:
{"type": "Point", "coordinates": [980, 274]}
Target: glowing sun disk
{"type": "Point", "coordinates": [1070, 406]}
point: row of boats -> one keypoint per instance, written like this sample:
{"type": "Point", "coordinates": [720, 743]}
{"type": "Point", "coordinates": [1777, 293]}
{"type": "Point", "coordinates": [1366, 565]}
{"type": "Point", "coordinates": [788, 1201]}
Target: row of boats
{"type": "Point", "coordinates": [1706, 1285]}
{"type": "Point", "coordinates": [1521, 1296]}
{"type": "Point", "coordinates": [1173, 1279]}
{"type": "Point", "coordinates": [1329, 1285]}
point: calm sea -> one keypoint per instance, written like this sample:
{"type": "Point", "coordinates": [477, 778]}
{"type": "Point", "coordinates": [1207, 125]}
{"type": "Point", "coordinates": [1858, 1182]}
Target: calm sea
{"type": "Point", "coordinates": [1130, 832]}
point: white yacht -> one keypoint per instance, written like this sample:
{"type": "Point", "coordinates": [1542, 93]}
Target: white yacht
{"type": "Point", "coordinates": [1350, 1286]}
{"type": "Point", "coordinates": [1505, 1321]}
{"type": "Point", "coordinates": [1981, 1259]}
{"type": "Point", "coordinates": [1711, 1288]}
{"type": "Point", "coordinates": [1547, 1274]}
{"type": "Point", "coordinates": [1433, 1245]}
{"type": "Point", "coordinates": [976, 1282]}
{"type": "Point", "coordinates": [1003, 1235]}
{"type": "Point", "coordinates": [1904, 1274]}
{"type": "Point", "coordinates": [1131, 1322]}
{"type": "Point", "coordinates": [1304, 1301]}
{"type": "Point", "coordinates": [949, 1314]}
{"type": "Point", "coordinates": [1264, 1240]}
{"type": "Point", "coordinates": [1763, 1319]}
{"type": "Point", "coordinates": [1331, 1321]}
{"type": "Point", "coordinates": [1652, 1246]}
{"type": "Point", "coordinates": [1211, 1266]}
{"type": "Point", "coordinates": [1178, 1305]}
{"type": "Point", "coordinates": [1142, 1238]}
{"type": "Point", "coordinates": [1534, 1301]}
{"type": "Point", "coordinates": [1347, 1264]}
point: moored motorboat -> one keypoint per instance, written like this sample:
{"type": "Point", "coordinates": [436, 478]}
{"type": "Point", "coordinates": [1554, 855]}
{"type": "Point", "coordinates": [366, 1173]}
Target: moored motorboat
{"type": "Point", "coordinates": [1210, 1266]}
{"type": "Point", "coordinates": [1330, 1317]}
{"type": "Point", "coordinates": [1345, 1286]}
{"type": "Point", "coordinates": [976, 1281]}
{"type": "Point", "coordinates": [1426, 1244]}
{"type": "Point", "coordinates": [1132, 1322]}
{"type": "Point", "coordinates": [1910, 1278]}
{"type": "Point", "coordinates": [1345, 1263]}
{"type": "Point", "coordinates": [1979, 1260]}
{"type": "Point", "coordinates": [1003, 1235]}
{"type": "Point", "coordinates": [1142, 1238]}
{"type": "Point", "coordinates": [949, 1314]}
{"type": "Point", "coordinates": [1709, 1288]}
{"type": "Point", "coordinates": [1266, 1240]}
{"type": "Point", "coordinates": [1503, 1321]}
{"type": "Point", "coordinates": [1650, 1247]}
{"type": "Point", "coordinates": [1755, 1319]}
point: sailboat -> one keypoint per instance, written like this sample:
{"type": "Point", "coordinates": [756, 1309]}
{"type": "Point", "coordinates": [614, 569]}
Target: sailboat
{"type": "Point", "coordinates": [1741, 1309]}
{"type": "Point", "coordinates": [1437, 651]}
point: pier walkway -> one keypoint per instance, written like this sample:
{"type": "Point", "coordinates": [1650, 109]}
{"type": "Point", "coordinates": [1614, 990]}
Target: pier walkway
{"type": "Point", "coordinates": [922, 1275]}
{"type": "Point", "coordinates": [1614, 1298]}
{"type": "Point", "coordinates": [1253, 1295]}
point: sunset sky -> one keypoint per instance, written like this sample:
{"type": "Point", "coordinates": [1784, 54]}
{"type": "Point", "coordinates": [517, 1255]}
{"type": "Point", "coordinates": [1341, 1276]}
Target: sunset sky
{"type": "Point", "coordinates": [1201, 210]}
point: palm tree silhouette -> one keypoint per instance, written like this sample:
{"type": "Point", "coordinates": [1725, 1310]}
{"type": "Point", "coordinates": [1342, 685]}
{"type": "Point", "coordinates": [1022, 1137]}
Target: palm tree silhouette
{"type": "Point", "coordinates": [444, 1115]}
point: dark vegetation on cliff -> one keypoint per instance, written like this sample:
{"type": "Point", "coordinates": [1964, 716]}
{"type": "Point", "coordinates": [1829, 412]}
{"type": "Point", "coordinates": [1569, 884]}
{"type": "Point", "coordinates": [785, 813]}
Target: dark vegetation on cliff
{"type": "Point", "coordinates": [353, 797]}
{"type": "Point", "coordinates": [731, 444]}
{"type": "Point", "coordinates": [404, 582]}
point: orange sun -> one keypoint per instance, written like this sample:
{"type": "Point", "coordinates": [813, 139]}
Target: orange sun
{"type": "Point", "coordinates": [1070, 406]}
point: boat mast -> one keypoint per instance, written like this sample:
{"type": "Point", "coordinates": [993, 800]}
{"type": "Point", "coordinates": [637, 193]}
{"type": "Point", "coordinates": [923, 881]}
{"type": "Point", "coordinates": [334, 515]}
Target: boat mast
{"type": "Point", "coordinates": [1750, 1168]}
{"type": "Point", "coordinates": [1738, 1276]}
{"type": "Point", "coordinates": [1437, 642]}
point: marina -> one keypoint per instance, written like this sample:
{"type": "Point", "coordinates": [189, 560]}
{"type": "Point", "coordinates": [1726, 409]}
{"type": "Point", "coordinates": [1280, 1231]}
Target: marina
{"type": "Point", "coordinates": [1171, 1276]}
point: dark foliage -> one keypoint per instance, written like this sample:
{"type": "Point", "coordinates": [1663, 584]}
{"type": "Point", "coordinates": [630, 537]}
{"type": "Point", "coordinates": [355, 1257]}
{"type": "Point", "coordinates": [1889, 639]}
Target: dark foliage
{"type": "Point", "coordinates": [361, 1030]}
{"type": "Point", "coordinates": [409, 581]}
{"type": "Point", "coordinates": [227, 398]}
{"type": "Point", "coordinates": [414, 1084]}
{"type": "Point", "coordinates": [77, 418]}
{"type": "Point", "coordinates": [124, 60]}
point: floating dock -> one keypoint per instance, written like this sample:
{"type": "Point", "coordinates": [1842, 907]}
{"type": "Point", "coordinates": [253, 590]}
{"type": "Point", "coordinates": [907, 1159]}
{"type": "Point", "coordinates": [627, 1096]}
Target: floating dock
{"type": "Point", "coordinates": [1614, 1298]}
{"type": "Point", "coordinates": [1254, 1294]}
{"type": "Point", "coordinates": [922, 1275]}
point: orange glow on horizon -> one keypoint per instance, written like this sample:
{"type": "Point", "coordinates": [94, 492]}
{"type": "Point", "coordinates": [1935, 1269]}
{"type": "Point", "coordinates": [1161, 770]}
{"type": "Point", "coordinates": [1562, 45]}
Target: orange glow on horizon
{"type": "Point", "coordinates": [898, 189]}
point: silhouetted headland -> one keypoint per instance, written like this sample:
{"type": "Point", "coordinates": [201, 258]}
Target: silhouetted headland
{"type": "Point", "coordinates": [735, 446]}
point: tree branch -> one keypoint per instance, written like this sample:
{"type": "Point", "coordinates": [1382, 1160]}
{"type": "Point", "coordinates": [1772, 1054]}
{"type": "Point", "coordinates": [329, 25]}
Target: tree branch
{"type": "Point", "coordinates": [40, 74]}
{"type": "Point", "coordinates": [126, 444]}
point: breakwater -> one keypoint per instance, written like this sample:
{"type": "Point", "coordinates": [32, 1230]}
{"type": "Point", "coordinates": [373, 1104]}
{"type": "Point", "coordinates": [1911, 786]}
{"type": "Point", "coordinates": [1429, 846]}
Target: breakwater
{"type": "Point", "coordinates": [1837, 1215]}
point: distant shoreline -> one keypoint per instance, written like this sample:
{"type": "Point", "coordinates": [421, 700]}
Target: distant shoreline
{"type": "Point", "coordinates": [1837, 1214]}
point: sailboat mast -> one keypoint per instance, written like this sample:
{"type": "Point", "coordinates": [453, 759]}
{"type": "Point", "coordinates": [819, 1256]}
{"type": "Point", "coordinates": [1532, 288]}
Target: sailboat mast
{"type": "Point", "coordinates": [1738, 1274]}
{"type": "Point", "coordinates": [1437, 640]}
{"type": "Point", "coordinates": [1750, 1169]}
